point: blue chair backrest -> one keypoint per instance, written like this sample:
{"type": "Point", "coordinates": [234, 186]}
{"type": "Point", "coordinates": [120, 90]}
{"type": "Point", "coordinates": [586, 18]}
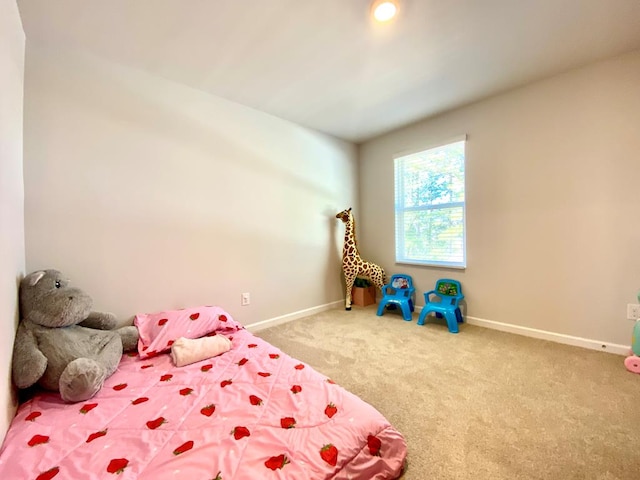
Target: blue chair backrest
{"type": "Point", "coordinates": [401, 285]}
{"type": "Point", "coordinates": [449, 290]}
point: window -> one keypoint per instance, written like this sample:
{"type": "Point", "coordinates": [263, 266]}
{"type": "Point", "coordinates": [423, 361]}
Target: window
{"type": "Point", "coordinates": [430, 206]}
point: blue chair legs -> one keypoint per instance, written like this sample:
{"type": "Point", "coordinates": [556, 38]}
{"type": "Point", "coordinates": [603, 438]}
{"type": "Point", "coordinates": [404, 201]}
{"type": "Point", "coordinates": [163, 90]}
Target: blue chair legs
{"type": "Point", "coordinates": [406, 311]}
{"type": "Point", "coordinates": [453, 317]}
{"type": "Point", "coordinates": [423, 316]}
{"type": "Point", "coordinates": [405, 307]}
{"type": "Point", "coordinates": [452, 321]}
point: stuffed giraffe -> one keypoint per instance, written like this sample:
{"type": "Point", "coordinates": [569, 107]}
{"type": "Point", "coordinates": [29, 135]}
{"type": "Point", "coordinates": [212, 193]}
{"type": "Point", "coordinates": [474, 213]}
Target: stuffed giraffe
{"type": "Point", "coordinates": [352, 264]}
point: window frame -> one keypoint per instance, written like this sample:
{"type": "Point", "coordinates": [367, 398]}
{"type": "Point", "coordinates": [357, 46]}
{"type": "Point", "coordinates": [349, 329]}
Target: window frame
{"type": "Point", "coordinates": [399, 212]}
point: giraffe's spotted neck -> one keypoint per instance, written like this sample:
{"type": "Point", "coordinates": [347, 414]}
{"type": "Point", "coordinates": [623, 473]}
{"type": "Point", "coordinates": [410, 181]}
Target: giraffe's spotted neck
{"type": "Point", "coordinates": [350, 248]}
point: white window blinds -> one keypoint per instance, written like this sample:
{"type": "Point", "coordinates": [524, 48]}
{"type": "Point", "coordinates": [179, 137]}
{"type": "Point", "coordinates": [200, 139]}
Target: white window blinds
{"type": "Point", "coordinates": [430, 206]}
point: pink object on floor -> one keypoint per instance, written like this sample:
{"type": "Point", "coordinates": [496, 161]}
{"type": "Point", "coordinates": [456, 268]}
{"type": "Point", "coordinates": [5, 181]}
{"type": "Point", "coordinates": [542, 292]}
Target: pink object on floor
{"type": "Point", "coordinates": [252, 413]}
{"type": "Point", "coordinates": [632, 363]}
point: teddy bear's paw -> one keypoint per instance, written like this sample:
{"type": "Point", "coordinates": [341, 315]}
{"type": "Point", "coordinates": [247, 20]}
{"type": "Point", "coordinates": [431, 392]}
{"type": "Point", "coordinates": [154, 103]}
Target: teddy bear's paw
{"type": "Point", "coordinates": [81, 380]}
{"type": "Point", "coordinates": [100, 321]}
{"type": "Point", "coordinates": [129, 336]}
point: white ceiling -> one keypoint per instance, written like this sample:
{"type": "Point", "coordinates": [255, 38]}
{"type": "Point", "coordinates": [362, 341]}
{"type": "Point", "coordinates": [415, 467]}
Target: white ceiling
{"type": "Point", "coordinates": [324, 64]}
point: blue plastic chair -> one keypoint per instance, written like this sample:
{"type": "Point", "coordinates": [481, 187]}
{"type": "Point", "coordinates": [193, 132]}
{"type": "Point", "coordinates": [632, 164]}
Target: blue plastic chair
{"type": "Point", "coordinates": [448, 294]}
{"type": "Point", "coordinates": [398, 292]}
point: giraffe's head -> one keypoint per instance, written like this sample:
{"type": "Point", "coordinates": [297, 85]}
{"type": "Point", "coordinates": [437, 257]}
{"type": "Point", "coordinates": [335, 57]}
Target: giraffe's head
{"type": "Point", "coordinates": [344, 215]}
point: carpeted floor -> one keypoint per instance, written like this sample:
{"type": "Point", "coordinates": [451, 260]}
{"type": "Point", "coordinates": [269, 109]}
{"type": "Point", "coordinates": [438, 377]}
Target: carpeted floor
{"type": "Point", "coordinates": [482, 404]}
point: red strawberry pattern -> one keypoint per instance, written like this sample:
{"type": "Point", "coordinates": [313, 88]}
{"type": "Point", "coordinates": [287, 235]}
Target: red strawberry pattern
{"type": "Point", "coordinates": [195, 401]}
{"type": "Point", "coordinates": [32, 416]}
{"type": "Point", "coordinates": [87, 407]}
{"type": "Point", "coordinates": [240, 432]}
{"type": "Point", "coordinates": [374, 445]}
{"type": "Point", "coordinates": [208, 410]}
{"type": "Point", "coordinates": [194, 316]}
{"type": "Point", "coordinates": [185, 447]}
{"type": "Point", "coordinates": [330, 410]}
{"type": "Point", "coordinates": [153, 424]}
{"type": "Point", "coordinates": [38, 440]}
{"type": "Point", "coordinates": [96, 435]}
{"type": "Point", "coordinates": [277, 462]}
{"type": "Point", "coordinates": [329, 453]}
{"type": "Point", "coordinates": [222, 318]}
{"type": "Point", "coordinates": [288, 422]}
{"type": "Point", "coordinates": [49, 474]}
{"type": "Point", "coordinates": [117, 465]}
{"type": "Point", "coordinates": [162, 321]}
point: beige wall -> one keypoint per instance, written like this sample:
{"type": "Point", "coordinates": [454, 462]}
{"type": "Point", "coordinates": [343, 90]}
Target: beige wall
{"type": "Point", "coordinates": [553, 192]}
{"type": "Point", "coordinates": [12, 45]}
{"type": "Point", "coordinates": [151, 195]}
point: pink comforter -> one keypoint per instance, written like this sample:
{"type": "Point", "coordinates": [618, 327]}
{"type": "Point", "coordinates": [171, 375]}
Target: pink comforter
{"type": "Point", "coordinates": [252, 413]}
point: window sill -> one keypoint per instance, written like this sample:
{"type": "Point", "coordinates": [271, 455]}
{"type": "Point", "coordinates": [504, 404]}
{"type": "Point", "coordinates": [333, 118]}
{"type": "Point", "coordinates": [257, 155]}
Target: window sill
{"type": "Point", "coordinates": [429, 264]}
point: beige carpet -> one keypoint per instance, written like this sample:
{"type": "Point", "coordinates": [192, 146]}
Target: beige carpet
{"type": "Point", "coordinates": [482, 404]}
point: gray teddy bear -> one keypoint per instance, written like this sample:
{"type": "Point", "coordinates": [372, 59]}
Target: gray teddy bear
{"type": "Point", "coordinates": [60, 343]}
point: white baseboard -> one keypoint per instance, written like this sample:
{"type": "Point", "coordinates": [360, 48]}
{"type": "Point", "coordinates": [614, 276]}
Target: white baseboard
{"type": "Point", "coordinates": [481, 322]}
{"type": "Point", "coordinates": [551, 336]}
{"type": "Point", "coordinates": [272, 322]}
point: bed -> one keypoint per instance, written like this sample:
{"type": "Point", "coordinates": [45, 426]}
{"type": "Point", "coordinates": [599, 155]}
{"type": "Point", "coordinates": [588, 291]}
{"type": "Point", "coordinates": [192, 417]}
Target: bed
{"type": "Point", "coordinates": [248, 414]}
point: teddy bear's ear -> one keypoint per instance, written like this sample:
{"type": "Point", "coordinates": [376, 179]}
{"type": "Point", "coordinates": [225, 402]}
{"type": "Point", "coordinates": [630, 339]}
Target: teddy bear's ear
{"type": "Point", "coordinates": [35, 277]}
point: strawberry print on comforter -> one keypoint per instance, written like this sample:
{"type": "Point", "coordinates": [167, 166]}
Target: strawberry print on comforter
{"type": "Point", "coordinates": [251, 413]}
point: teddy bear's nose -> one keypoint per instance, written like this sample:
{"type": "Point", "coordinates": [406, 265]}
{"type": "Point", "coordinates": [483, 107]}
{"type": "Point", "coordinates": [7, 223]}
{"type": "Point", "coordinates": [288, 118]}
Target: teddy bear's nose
{"type": "Point", "coordinates": [70, 297]}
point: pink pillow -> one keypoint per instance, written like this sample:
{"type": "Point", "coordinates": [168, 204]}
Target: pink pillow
{"type": "Point", "coordinates": [159, 330]}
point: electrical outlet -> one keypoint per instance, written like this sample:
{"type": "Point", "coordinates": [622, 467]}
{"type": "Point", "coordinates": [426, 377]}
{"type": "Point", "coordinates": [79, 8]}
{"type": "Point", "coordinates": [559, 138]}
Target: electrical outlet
{"type": "Point", "coordinates": [633, 311]}
{"type": "Point", "coordinates": [246, 299]}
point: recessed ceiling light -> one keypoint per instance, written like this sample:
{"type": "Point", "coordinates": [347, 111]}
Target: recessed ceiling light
{"type": "Point", "coordinates": [384, 10]}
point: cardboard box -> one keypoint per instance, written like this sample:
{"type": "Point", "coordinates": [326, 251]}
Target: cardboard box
{"type": "Point", "coordinates": [363, 296]}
